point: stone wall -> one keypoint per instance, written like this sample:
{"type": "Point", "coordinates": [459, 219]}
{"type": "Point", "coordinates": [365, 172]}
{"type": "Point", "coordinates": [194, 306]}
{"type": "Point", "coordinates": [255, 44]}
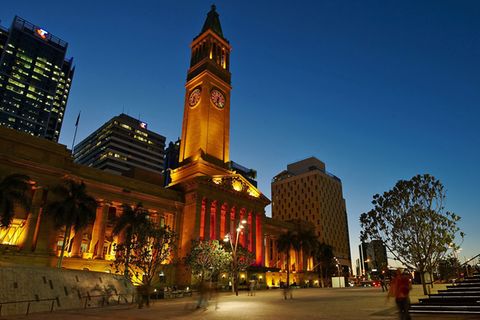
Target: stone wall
{"type": "Point", "coordinates": [69, 289]}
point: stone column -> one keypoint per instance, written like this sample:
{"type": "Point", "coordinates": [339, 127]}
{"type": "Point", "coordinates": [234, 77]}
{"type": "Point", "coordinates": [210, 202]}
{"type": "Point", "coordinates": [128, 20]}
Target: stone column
{"type": "Point", "coordinates": [252, 233]}
{"type": "Point", "coordinates": [98, 232]}
{"type": "Point", "coordinates": [225, 222]}
{"type": "Point", "coordinates": [242, 216]}
{"type": "Point", "coordinates": [77, 243]}
{"type": "Point", "coordinates": [206, 219]}
{"type": "Point", "coordinates": [232, 216]}
{"type": "Point", "coordinates": [34, 219]}
{"type": "Point", "coordinates": [267, 252]}
{"type": "Point", "coordinates": [45, 237]}
{"type": "Point", "coordinates": [259, 255]}
{"type": "Point", "coordinates": [218, 219]}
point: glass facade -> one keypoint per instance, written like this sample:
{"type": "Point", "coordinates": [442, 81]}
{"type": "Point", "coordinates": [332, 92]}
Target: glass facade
{"type": "Point", "coordinates": [35, 79]}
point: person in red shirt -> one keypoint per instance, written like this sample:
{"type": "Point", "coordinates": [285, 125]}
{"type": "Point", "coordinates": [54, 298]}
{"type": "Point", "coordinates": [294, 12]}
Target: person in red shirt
{"type": "Point", "coordinates": [400, 288]}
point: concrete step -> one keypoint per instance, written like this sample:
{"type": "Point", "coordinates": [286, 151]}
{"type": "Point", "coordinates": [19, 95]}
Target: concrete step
{"type": "Point", "coordinates": [450, 309]}
{"type": "Point", "coordinates": [452, 300]}
{"type": "Point", "coordinates": [464, 286]}
{"type": "Point", "coordinates": [457, 292]}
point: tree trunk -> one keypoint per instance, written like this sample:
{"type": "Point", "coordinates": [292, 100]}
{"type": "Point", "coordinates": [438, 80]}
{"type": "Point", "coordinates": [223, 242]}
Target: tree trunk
{"type": "Point", "coordinates": [66, 235]}
{"type": "Point", "coordinates": [128, 241]}
{"type": "Point", "coordinates": [288, 269]}
{"type": "Point", "coordinates": [322, 282]}
{"type": "Point", "coordinates": [424, 285]}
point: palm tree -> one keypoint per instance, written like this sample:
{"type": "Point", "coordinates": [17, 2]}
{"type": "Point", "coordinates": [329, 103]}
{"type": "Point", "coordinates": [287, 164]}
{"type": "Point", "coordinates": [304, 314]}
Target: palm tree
{"type": "Point", "coordinates": [324, 257]}
{"type": "Point", "coordinates": [285, 243]}
{"type": "Point", "coordinates": [73, 207]}
{"type": "Point", "coordinates": [308, 240]}
{"type": "Point", "coordinates": [130, 222]}
{"type": "Point", "coordinates": [13, 191]}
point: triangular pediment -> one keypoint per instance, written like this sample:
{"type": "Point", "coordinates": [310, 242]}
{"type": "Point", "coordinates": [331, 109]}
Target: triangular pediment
{"type": "Point", "coordinates": [235, 182]}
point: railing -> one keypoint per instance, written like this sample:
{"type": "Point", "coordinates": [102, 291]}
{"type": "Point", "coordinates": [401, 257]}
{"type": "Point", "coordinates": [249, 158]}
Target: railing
{"type": "Point", "coordinates": [105, 299]}
{"type": "Point", "coordinates": [466, 262]}
{"type": "Point", "coordinates": [28, 302]}
{"type": "Point", "coordinates": [465, 265]}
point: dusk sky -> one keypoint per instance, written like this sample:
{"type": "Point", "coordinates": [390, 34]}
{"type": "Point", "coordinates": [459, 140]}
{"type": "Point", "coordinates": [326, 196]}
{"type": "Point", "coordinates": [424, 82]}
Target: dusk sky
{"type": "Point", "coordinates": [378, 90]}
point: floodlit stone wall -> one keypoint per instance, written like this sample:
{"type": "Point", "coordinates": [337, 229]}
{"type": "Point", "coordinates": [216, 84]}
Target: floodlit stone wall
{"type": "Point", "coordinates": [39, 289]}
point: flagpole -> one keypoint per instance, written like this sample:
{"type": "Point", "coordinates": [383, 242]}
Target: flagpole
{"type": "Point", "coordinates": [75, 134]}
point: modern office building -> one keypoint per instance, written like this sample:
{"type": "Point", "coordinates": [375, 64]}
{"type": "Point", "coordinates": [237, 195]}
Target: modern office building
{"type": "Point", "coordinates": [121, 145]}
{"type": "Point", "coordinates": [306, 191]}
{"type": "Point", "coordinates": [373, 257]}
{"type": "Point", "coordinates": [35, 79]}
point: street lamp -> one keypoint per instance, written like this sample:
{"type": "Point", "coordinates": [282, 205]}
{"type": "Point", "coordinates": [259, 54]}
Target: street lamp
{"type": "Point", "coordinates": [234, 246]}
{"type": "Point", "coordinates": [338, 265]}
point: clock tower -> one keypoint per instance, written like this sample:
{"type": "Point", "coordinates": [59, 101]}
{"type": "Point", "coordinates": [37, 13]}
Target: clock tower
{"type": "Point", "coordinates": [206, 115]}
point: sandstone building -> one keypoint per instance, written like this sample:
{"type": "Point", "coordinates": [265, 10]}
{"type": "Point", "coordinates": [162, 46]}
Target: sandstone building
{"type": "Point", "coordinates": [306, 191]}
{"type": "Point", "coordinates": [205, 199]}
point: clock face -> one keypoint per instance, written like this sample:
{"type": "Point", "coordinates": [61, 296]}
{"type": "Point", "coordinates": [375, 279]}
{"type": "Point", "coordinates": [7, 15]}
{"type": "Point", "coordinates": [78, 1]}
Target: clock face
{"type": "Point", "coordinates": [217, 98]}
{"type": "Point", "coordinates": [194, 97]}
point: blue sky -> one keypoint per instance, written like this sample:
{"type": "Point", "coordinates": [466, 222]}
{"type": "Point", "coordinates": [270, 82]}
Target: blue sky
{"type": "Point", "coordinates": [378, 90]}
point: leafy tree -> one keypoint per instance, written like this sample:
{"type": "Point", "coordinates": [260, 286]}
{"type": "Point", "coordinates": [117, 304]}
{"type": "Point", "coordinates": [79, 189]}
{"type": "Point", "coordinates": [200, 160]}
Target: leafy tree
{"type": "Point", "coordinates": [286, 242]}
{"type": "Point", "coordinates": [13, 191]}
{"type": "Point", "coordinates": [244, 259]}
{"type": "Point", "coordinates": [208, 258]}
{"type": "Point", "coordinates": [71, 207]}
{"type": "Point", "coordinates": [131, 220]}
{"type": "Point", "coordinates": [449, 268]}
{"type": "Point", "coordinates": [149, 248]}
{"type": "Point", "coordinates": [325, 260]}
{"type": "Point", "coordinates": [412, 223]}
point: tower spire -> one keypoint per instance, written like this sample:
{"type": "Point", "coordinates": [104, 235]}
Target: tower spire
{"type": "Point", "coordinates": [213, 22]}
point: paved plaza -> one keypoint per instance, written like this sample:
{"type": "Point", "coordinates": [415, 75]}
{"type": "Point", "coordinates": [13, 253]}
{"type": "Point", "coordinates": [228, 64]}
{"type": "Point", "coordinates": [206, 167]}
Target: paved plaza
{"type": "Point", "coordinates": [345, 303]}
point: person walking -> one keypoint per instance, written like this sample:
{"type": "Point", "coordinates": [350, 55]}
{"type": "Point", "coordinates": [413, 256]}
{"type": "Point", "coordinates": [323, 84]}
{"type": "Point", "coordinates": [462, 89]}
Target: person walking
{"type": "Point", "coordinates": [203, 293]}
{"type": "Point", "coordinates": [400, 289]}
{"type": "Point", "coordinates": [252, 288]}
{"type": "Point", "coordinates": [383, 282]}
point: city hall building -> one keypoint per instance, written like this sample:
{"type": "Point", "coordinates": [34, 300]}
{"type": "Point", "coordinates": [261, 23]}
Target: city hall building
{"type": "Point", "coordinates": [204, 200]}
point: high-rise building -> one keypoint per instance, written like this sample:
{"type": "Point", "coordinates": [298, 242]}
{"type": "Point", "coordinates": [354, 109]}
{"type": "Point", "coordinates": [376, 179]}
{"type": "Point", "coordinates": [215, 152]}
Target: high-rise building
{"type": "Point", "coordinates": [306, 191]}
{"type": "Point", "coordinates": [35, 79]}
{"type": "Point", "coordinates": [121, 145]}
{"type": "Point", "coordinates": [373, 256]}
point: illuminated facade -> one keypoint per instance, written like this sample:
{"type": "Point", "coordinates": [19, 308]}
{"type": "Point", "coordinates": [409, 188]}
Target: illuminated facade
{"type": "Point", "coordinates": [35, 79]}
{"type": "Point", "coordinates": [216, 198]}
{"type": "Point", "coordinates": [207, 197]}
{"type": "Point", "coordinates": [120, 145]}
{"type": "Point", "coordinates": [32, 237]}
{"type": "Point", "coordinates": [306, 191]}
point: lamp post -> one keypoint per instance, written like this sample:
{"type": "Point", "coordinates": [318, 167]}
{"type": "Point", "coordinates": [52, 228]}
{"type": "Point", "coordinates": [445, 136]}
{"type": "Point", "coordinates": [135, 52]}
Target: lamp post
{"type": "Point", "coordinates": [234, 246]}
{"type": "Point", "coordinates": [338, 265]}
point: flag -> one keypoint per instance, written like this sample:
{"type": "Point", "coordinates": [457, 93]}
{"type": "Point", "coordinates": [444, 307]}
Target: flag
{"type": "Point", "coordinates": [78, 119]}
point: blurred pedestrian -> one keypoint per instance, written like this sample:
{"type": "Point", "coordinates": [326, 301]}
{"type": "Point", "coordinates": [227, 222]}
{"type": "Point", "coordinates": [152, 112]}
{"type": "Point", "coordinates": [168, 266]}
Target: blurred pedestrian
{"type": "Point", "coordinates": [383, 282]}
{"type": "Point", "coordinates": [251, 288]}
{"type": "Point", "coordinates": [400, 289]}
{"type": "Point", "coordinates": [203, 295]}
